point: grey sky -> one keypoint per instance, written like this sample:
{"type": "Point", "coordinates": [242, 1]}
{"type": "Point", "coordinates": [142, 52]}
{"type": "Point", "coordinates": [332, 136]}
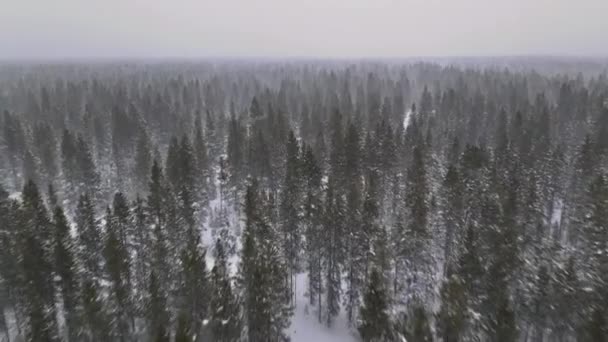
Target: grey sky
{"type": "Point", "coordinates": [322, 28]}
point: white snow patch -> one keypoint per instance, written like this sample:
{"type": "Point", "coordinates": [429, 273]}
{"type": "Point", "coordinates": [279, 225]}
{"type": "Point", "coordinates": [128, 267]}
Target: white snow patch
{"type": "Point", "coordinates": [556, 216]}
{"type": "Point", "coordinates": [406, 120]}
{"type": "Point", "coordinates": [305, 326]}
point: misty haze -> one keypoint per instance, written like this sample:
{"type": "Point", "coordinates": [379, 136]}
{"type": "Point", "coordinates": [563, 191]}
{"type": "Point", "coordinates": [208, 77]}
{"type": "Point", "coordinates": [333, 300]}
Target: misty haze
{"type": "Point", "coordinates": [305, 171]}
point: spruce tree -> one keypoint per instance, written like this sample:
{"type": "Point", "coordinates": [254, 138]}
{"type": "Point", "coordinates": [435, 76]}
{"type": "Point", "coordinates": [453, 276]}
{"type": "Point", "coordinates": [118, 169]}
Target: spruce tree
{"type": "Point", "coordinates": [117, 271]}
{"type": "Point", "coordinates": [97, 322]}
{"type": "Point", "coordinates": [290, 213]}
{"type": "Point", "coordinates": [66, 268]}
{"type": "Point", "coordinates": [375, 322]}
{"type": "Point", "coordinates": [35, 241]}
{"type": "Point", "coordinates": [333, 228]}
{"type": "Point", "coordinates": [195, 292]}
{"type": "Point", "coordinates": [89, 237]}
{"type": "Point", "coordinates": [156, 311]}
{"type": "Point", "coordinates": [266, 291]}
{"type": "Point", "coordinates": [224, 307]}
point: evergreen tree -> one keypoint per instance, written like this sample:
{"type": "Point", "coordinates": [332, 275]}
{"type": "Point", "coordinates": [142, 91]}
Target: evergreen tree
{"type": "Point", "coordinates": [375, 322]}
{"type": "Point", "coordinates": [65, 267]}
{"type": "Point", "coordinates": [290, 211]}
{"type": "Point", "coordinates": [418, 327]}
{"type": "Point", "coordinates": [451, 319]}
{"type": "Point", "coordinates": [97, 322]}
{"type": "Point", "coordinates": [143, 162]}
{"type": "Point", "coordinates": [224, 307]}
{"type": "Point", "coordinates": [156, 311]}
{"type": "Point", "coordinates": [267, 304]}
{"type": "Point", "coordinates": [195, 291]}
{"type": "Point", "coordinates": [334, 228]}
{"type": "Point", "coordinates": [157, 207]}
{"type": "Point", "coordinates": [89, 237]}
{"type": "Point", "coordinates": [35, 241]}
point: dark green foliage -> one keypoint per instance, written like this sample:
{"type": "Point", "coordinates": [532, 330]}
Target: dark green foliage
{"type": "Point", "coordinates": [451, 318]}
{"type": "Point", "coordinates": [156, 311]}
{"type": "Point", "coordinates": [375, 323]}
{"type": "Point", "coordinates": [117, 272]}
{"type": "Point", "coordinates": [418, 328]}
{"type": "Point", "coordinates": [266, 293]}
{"type": "Point", "coordinates": [65, 268]}
{"type": "Point", "coordinates": [89, 237]}
{"type": "Point", "coordinates": [143, 162]}
{"type": "Point", "coordinates": [224, 308]}
{"type": "Point", "coordinates": [194, 293]}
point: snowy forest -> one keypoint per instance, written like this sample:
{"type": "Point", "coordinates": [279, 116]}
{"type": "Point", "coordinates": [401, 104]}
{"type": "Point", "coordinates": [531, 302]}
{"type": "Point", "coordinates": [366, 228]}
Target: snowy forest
{"type": "Point", "coordinates": [304, 200]}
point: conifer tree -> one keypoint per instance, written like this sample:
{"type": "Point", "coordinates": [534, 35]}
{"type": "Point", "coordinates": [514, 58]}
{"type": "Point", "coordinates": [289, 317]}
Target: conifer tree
{"type": "Point", "coordinates": [35, 241]}
{"type": "Point", "coordinates": [65, 267]}
{"type": "Point", "coordinates": [194, 291]}
{"type": "Point", "coordinates": [94, 315]}
{"type": "Point", "coordinates": [117, 270]}
{"type": "Point", "coordinates": [89, 237]}
{"type": "Point", "coordinates": [143, 162]}
{"type": "Point", "coordinates": [156, 310]}
{"type": "Point", "coordinates": [267, 303]}
{"type": "Point", "coordinates": [333, 224]}
{"type": "Point", "coordinates": [224, 307]}
{"type": "Point", "coordinates": [375, 323]}
{"type": "Point", "coordinates": [418, 328]}
{"type": "Point", "coordinates": [290, 213]}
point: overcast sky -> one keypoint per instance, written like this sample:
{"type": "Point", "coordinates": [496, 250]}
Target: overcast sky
{"type": "Point", "coordinates": [303, 28]}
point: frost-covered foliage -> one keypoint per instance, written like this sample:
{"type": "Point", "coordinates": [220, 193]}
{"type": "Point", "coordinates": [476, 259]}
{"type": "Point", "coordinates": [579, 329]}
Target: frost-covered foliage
{"type": "Point", "coordinates": [252, 201]}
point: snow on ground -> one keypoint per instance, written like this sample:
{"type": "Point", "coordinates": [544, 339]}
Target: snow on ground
{"type": "Point", "coordinates": [305, 326]}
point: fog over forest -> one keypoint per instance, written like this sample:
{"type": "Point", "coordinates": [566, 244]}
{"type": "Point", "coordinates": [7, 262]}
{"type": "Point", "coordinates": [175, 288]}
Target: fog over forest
{"type": "Point", "coordinates": [273, 171]}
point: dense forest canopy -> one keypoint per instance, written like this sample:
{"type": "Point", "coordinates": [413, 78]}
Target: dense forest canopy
{"type": "Point", "coordinates": [462, 200]}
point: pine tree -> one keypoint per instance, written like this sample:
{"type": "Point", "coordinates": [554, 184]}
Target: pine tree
{"type": "Point", "coordinates": [333, 224]}
{"type": "Point", "coordinates": [65, 267]}
{"type": "Point", "coordinates": [173, 164]}
{"type": "Point", "coordinates": [313, 223]}
{"type": "Point", "coordinates": [45, 148]}
{"type": "Point", "coordinates": [94, 315]}
{"type": "Point", "coordinates": [15, 141]}
{"type": "Point", "coordinates": [156, 311]}
{"type": "Point", "coordinates": [290, 211]}
{"type": "Point", "coordinates": [354, 251]}
{"type": "Point", "coordinates": [235, 151]}
{"type": "Point", "coordinates": [203, 169]}
{"type": "Point", "coordinates": [89, 237]}
{"type": "Point", "coordinates": [194, 292]}
{"type": "Point", "coordinates": [375, 322]}
{"type": "Point", "coordinates": [39, 292]}
{"type": "Point", "coordinates": [266, 292]}
{"type": "Point", "coordinates": [117, 271]}
{"type": "Point", "coordinates": [35, 242]}
{"type": "Point", "coordinates": [451, 318]}
{"type": "Point", "coordinates": [182, 333]}
{"type": "Point", "coordinates": [157, 207]}
{"type": "Point", "coordinates": [418, 327]}
{"type": "Point", "coordinates": [30, 168]}
{"type": "Point", "coordinates": [503, 328]}
{"type": "Point", "coordinates": [87, 176]}
{"type": "Point", "coordinates": [224, 308]}
{"type": "Point", "coordinates": [453, 213]}
{"type": "Point", "coordinates": [53, 201]}
{"type": "Point", "coordinates": [141, 244]}
{"type": "Point", "coordinates": [143, 162]}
